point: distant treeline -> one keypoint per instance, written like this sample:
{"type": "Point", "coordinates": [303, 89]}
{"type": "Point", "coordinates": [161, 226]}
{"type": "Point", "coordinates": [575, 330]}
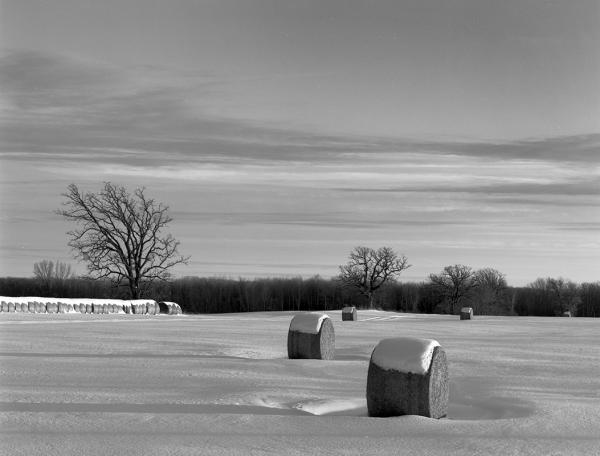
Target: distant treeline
{"type": "Point", "coordinates": [220, 295]}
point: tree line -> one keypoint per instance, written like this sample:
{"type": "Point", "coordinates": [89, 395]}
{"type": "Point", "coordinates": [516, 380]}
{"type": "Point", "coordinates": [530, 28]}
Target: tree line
{"type": "Point", "coordinates": [543, 297]}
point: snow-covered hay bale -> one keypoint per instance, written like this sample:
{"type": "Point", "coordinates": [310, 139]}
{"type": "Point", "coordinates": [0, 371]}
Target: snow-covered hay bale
{"type": "Point", "coordinates": [349, 314]}
{"type": "Point", "coordinates": [4, 306]}
{"type": "Point", "coordinates": [51, 307]}
{"type": "Point", "coordinates": [466, 313]}
{"type": "Point", "coordinates": [31, 307]}
{"type": "Point", "coordinates": [311, 336]}
{"type": "Point", "coordinates": [408, 376]}
{"type": "Point", "coordinates": [169, 308]}
{"type": "Point", "coordinates": [566, 313]}
{"type": "Point", "coordinates": [88, 308]}
{"type": "Point", "coordinates": [11, 306]}
{"type": "Point", "coordinates": [24, 307]}
{"type": "Point", "coordinates": [40, 307]}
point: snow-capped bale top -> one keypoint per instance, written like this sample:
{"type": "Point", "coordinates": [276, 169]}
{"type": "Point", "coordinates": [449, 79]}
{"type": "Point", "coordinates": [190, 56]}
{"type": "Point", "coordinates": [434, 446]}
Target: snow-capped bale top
{"type": "Point", "coordinates": [404, 354]}
{"type": "Point", "coordinates": [467, 309]}
{"type": "Point", "coordinates": [309, 322]}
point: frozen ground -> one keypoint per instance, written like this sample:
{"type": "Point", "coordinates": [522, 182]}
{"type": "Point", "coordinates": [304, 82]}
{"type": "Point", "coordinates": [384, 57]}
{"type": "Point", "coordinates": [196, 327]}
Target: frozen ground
{"type": "Point", "coordinates": [222, 384]}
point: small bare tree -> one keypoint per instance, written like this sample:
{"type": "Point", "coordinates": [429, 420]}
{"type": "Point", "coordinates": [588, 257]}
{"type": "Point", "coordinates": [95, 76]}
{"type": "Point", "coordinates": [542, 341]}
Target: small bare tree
{"type": "Point", "coordinates": [455, 283]}
{"type": "Point", "coordinates": [120, 237]}
{"type": "Point", "coordinates": [50, 273]}
{"type": "Point", "coordinates": [369, 269]}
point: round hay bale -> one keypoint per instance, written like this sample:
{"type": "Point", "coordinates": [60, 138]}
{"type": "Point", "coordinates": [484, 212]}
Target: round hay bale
{"type": "Point", "coordinates": [41, 307]}
{"type": "Point", "coordinates": [51, 307]}
{"type": "Point", "coordinates": [31, 307]}
{"type": "Point", "coordinates": [466, 313]}
{"type": "Point", "coordinates": [88, 308]}
{"type": "Point", "coordinates": [4, 306]}
{"type": "Point", "coordinates": [349, 314]}
{"type": "Point", "coordinates": [11, 306]}
{"type": "Point", "coordinates": [24, 307]}
{"type": "Point", "coordinates": [566, 313]}
{"type": "Point", "coordinates": [311, 336]}
{"type": "Point", "coordinates": [408, 376]}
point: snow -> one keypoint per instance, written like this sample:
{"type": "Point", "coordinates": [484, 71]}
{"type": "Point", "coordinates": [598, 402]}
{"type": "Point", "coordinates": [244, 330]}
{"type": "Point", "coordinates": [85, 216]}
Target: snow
{"type": "Point", "coordinates": [404, 354]}
{"type": "Point", "coordinates": [309, 322]}
{"type": "Point", "coordinates": [73, 384]}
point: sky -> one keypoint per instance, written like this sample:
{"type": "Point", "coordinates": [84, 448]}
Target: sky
{"type": "Point", "coordinates": [283, 134]}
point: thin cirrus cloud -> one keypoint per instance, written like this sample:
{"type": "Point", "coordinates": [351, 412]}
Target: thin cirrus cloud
{"type": "Point", "coordinates": [65, 120]}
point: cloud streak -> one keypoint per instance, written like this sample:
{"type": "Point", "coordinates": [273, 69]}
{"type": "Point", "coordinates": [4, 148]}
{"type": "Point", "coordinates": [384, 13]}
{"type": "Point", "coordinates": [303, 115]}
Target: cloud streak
{"type": "Point", "coordinates": [254, 181]}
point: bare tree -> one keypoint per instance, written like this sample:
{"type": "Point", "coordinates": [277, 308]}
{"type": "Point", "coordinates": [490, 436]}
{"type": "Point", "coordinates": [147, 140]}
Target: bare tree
{"type": "Point", "coordinates": [490, 292]}
{"type": "Point", "coordinates": [455, 283]}
{"type": "Point", "coordinates": [369, 269]}
{"type": "Point", "coordinates": [120, 237]}
{"type": "Point", "coordinates": [50, 273]}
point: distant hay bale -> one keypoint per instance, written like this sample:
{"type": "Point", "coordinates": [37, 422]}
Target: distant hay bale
{"type": "Point", "coordinates": [51, 307]}
{"type": "Point", "coordinates": [31, 307]}
{"type": "Point", "coordinates": [88, 308]}
{"type": "Point", "coordinates": [408, 376]}
{"type": "Point", "coordinates": [24, 307]}
{"type": "Point", "coordinates": [11, 306]}
{"type": "Point", "coordinates": [169, 308]}
{"type": "Point", "coordinates": [4, 306]}
{"type": "Point", "coordinates": [311, 336]}
{"type": "Point", "coordinates": [349, 314]}
{"type": "Point", "coordinates": [41, 307]}
{"type": "Point", "coordinates": [466, 313]}
{"type": "Point", "coordinates": [566, 313]}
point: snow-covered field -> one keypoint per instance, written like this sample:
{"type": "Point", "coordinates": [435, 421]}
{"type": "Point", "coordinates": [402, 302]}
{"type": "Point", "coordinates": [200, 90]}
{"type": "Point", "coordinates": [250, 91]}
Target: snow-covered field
{"type": "Point", "coordinates": [222, 384]}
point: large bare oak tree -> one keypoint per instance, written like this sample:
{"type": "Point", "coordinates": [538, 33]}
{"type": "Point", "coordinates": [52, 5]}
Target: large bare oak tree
{"type": "Point", "coordinates": [119, 235]}
{"type": "Point", "coordinates": [369, 269]}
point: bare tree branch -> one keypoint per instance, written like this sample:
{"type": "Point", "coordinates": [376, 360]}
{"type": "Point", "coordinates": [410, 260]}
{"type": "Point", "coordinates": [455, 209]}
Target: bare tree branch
{"type": "Point", "coordinates": [119, 236]}
{"type": "Point", "coordinates": [369, 269]}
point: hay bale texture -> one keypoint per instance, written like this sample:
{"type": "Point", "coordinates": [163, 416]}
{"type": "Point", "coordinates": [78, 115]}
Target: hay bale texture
{"type": "Point", "coordinates": [466, 313]}
{"type": "Point", "coordinates": [311, 336]}
{"type": "Point", "coordinates": [349, 314]}
{"type": "Point", "coordinates": [408, 376]}
{"type": "Point", "coordinates": [169, 308]}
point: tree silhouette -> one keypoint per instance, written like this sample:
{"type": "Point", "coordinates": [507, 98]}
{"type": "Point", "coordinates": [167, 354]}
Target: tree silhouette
{"type": "Point", "coordinates": [368, 269]}
{"type": "Point", "coordinates": [119, 236]}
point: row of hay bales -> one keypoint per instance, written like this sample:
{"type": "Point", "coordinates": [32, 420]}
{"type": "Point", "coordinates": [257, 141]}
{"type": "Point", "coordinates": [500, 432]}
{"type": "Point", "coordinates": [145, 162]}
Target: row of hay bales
{"type": "Point", "coordinates": [406, 375]}
{"type": "Point", "coordinates": [36, 304]}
